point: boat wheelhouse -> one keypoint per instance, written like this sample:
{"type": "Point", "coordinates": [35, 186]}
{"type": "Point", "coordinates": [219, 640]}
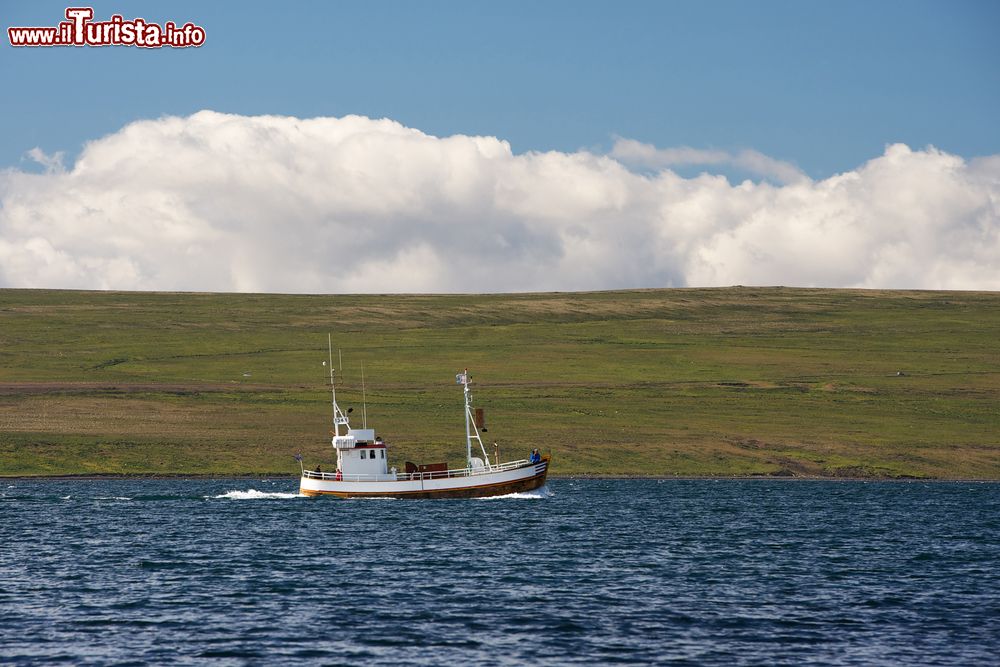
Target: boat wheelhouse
{"type": "Point", "coordinates": [363, 465]}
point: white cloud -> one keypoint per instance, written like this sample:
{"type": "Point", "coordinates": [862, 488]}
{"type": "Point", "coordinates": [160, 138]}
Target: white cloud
{"type": "Point", "coordinates": [635, 153]}
{"type": "Point", "coordinates": [233, 203]}
{"type": "Point", "coordinates": [52, 163]}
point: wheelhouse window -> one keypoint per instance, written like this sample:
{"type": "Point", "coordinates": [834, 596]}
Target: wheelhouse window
{"type": "Point", "coordinates": [372, 454]}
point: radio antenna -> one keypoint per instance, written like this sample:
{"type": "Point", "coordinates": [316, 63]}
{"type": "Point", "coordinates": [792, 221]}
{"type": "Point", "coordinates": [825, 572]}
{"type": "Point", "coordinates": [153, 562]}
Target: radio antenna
{"type": "Point", "coordinates": [333, 386]}
{"type": "Point", "coordinates": [364, 401]}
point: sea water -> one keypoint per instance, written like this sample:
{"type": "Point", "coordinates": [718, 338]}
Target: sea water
{"type": "Point", "coordinates": [241, 572]}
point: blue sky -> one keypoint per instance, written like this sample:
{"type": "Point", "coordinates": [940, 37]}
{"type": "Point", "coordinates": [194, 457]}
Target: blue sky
{"type": "Point", "coordinates": [822, 85]}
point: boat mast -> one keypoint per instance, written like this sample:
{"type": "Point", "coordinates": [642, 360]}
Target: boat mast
{"type": "Point", "coordinates": [468, 434]}
{"type": "Point", "coordinates": [338, 416]}
{"type": "Point", "coordinates": [364, 400]}
{"type": "Point", "coordinates": [333, 387]}
{"type": "Point", "coordinates": [470, 430]}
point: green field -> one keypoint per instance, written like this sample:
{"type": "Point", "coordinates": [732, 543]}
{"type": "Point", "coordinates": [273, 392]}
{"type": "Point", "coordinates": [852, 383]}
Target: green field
{"type": "Point", "coordinates": [691, 382]}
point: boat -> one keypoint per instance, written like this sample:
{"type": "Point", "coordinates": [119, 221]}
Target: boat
{"type": "Point", "coordinates": [363, 464]}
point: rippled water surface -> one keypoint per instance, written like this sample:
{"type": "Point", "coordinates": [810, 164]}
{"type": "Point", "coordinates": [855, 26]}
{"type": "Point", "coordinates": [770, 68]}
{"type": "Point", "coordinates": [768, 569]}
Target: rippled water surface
{"type": "Point", "coordinates": [598, 572]}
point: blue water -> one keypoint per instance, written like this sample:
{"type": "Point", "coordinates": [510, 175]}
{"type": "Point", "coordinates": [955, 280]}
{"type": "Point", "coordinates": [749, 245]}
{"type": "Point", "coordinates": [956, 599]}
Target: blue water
{"type": "Point", "coordinates": [244, 572]}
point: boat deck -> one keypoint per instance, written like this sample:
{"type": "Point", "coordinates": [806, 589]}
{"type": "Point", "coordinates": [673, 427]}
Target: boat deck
{"type": "Point", "coordinates": [418, 476]}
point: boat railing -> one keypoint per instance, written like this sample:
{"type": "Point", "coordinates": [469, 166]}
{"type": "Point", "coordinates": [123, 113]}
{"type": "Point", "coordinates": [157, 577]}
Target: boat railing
{"type": "Point", "coordinates": [416, 476]}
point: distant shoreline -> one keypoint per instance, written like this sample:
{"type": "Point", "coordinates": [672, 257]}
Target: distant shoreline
{"type": "Point", "coordinates": [266, 476]}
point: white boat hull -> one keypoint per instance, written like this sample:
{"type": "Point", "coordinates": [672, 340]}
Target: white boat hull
{"type": "Point", "coordinates": [431, 485]}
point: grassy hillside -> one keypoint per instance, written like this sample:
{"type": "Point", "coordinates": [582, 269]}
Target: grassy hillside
{"type": "Point", "coordinates": [735, 381]}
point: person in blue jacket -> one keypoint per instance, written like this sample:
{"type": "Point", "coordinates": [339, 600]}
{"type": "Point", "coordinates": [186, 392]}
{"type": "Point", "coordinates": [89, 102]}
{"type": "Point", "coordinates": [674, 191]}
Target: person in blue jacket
{"type": "Point", "coordinates": [535, 456]}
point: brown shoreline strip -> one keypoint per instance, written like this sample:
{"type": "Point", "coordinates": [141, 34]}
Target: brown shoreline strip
{"type": "Point", "coordinates": [34, 388]}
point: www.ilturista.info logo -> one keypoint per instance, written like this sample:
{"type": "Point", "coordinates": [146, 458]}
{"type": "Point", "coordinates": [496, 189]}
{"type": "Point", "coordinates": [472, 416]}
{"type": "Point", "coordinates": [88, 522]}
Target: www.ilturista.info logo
{"type": "Point", "coordinates": [80, 30]}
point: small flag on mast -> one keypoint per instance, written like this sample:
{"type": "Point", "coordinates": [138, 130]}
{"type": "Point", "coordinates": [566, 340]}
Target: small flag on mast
{"type": "Point", "coordinates": [298, 457]}
{"type": "Point", "coordinates": [462, 378]}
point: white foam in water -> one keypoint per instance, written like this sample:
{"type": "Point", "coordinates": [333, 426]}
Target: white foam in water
{"type": "Point", "coordinates": [254, 494]}
{"type": "Point", "coordinates": [537, 494]}
{"type": "Point", "coordinates": [112, 498]}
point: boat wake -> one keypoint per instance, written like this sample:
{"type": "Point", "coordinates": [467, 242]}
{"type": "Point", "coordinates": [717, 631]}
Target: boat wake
{"type": "Point", "coordinates": [254, 494]}
{"type": "Point", "coordinates": [537, 494]}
